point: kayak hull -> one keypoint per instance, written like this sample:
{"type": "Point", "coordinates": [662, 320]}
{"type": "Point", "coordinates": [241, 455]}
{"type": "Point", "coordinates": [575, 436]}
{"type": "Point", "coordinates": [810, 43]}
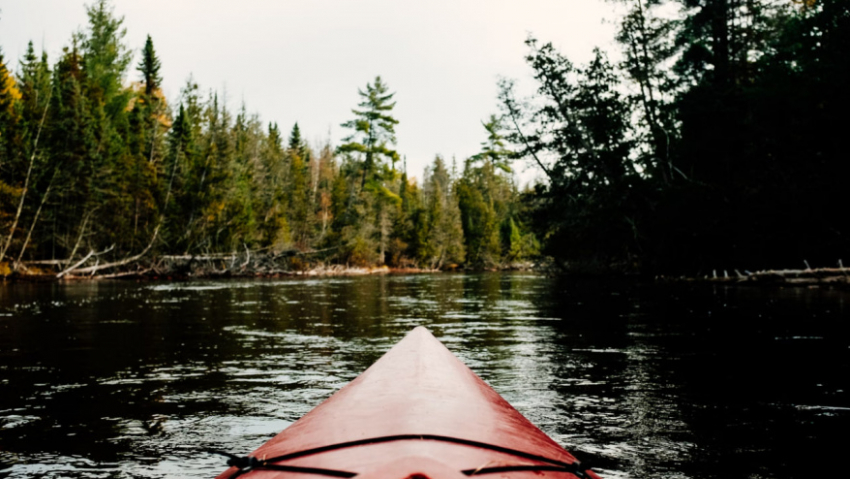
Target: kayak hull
{"type": "Point", "coordinates": [418, 411]}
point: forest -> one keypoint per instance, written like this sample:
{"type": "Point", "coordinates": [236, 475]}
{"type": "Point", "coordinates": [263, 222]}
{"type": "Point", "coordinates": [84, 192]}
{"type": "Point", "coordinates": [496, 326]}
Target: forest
{"type": "Point", "coordinates": [713, 141]}
{"type": "Point", "coordinates": [98, 172]}
{"type": "Point", "coordinates": [714, 144]}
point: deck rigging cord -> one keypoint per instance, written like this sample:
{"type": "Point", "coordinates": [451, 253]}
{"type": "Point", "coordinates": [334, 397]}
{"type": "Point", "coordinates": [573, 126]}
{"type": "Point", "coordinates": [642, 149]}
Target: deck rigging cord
{"type": "Point", "coordinates": [249, 463]}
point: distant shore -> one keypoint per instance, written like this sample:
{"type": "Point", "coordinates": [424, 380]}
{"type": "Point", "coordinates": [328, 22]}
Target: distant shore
{"type": "Point", "coordinates": [188, 267]}
{"type": "Point", "coordinates": [236, 265]}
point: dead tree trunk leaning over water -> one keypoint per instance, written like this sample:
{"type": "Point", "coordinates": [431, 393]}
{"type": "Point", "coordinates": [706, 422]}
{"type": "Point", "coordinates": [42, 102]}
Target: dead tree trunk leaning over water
{"type": "Point", "coordinates": [27, 180]}
{"type": "Point", "coordinates": [86, 217]}
{"type": "Point", "coordinates": [80, 262]}
{"type": "Point", "coordinates": [35, 219]}
{"type": "Point", "coordinates": [125, 261]}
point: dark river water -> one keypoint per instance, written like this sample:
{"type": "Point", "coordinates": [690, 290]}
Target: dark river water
{"type": "Point", "coordinates": [136, 380]}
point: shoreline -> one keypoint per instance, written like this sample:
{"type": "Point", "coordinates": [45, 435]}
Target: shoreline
{"type": "Point", "coordinates": [149, 275]}
{"type": "Point", "coordinates": [190, 268]}
{"type": "Point", "coordinates": [199, 268]}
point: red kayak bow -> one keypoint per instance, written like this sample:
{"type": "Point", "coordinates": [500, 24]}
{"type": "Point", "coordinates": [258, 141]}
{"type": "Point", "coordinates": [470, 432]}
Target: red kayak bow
{"type": "Point", "coordinates": [417, 413]}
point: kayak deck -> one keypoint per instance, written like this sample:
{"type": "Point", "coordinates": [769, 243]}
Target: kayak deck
{"type": "Point", "coordinates": [417, 413]}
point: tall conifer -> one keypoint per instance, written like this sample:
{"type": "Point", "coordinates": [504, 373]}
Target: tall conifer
{"type": "Point", "coordinates": [149, 67]}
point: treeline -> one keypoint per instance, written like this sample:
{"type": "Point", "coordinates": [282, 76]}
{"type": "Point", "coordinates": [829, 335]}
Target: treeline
{"type": "Point", "coordinates": [719, 140]}
{"type": "Point", "coordinates": [716, 142]}
{"type": "Point", "coordinates": [98, 173]}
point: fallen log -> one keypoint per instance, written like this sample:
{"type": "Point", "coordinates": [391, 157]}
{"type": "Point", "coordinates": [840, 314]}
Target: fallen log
{"type": "Point", "coordinates": [80, 262]}
{"type": "Point", "coordinates": [126, 274]}
{"type": "Point", "coordinates": [96, 268]}
{"type": "Point", "coordinates": [46, 262]}
{"type": "Point", "coordinates": [807, 276]}
{"type": "Point", "coordinates": [197, 257]}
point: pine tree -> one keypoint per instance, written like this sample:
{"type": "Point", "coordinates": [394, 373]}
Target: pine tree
{"type": "Point", "coordinates": [325, 177]}
{"type": "Point", "coordinates": [275, 224]}
{"type": "Point", "coordinates": [10, 148]}
{"type": "Point", "coordinates": [149, 67]}
{"type": "Point", "coordinates": [299, 193]}
{"type": "Point", "coordinates": [374, 132]}
{"type": "Point", "coordinates": [511, 238]}
{"type": "Point", "coordinates": [180, 199]}
{"type": "Point", "coordinates": [72, 142]}
{"type": "Point", "coordinates": [297, 145]}
{"type": "Point", "coordinates": [35, 122]}
{"type": "Point", "coordinates": [211, 172]}
{"type": "Point", "coordinates": [410, 225]}
{"type": "Point", "coordinates": [494, 150]}
{"type": "Point", "coordinates": [443, 244]}
{"type": "Point", "coordinates": [479, 220]}
{"type": "Point", "coordinates": [484, 196]}
{"type": "Point", "coordinates": [9, 96]}
{"type": "Point", "coordinates": [106, 58]}
{"type": "Point", "coordinates": [105, 62]}
{"type": "Point", "coordinates": [34, 85]}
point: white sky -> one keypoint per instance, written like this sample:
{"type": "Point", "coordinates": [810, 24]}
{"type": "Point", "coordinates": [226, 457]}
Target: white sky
{"type": "Point", "coordinates": [303, 60]}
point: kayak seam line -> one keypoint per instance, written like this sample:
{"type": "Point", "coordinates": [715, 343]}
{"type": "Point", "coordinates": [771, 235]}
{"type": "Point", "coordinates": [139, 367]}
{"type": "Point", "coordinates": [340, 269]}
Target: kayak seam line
{"type": "Point", "coordinates": [408, 437]}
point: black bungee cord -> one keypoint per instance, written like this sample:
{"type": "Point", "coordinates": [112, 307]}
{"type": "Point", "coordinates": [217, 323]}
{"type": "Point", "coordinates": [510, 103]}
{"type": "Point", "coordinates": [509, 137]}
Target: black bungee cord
{"type": "Point", "coordinates": [246, 464]}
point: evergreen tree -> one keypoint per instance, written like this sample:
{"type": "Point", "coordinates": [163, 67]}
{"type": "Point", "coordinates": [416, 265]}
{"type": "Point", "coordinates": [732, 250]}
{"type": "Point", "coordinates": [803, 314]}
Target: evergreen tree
{"type": "Point", "coordinates": [410, 223]}
{"type": "Point", "coordinates": [72, 143]}
{"type": "Point", "coordinates": [443, 230]}
{"type": "Point", "coordinates": [145, 140]}
{"type": "Point", "coordinates": [10, 148]}
{"type": "Point", "coordinates": [149, 67]}
{"type": "Point", "coordinates": [150, 106]}
{"type": "Point", "coordinates": [34, 86]}
{"type": "Point", "coordinates": [9, 96]}
{"type": "Point", "coordinates": [325, 175]}
{"type": "Point", "coordinates": [485, 192]}
{"type": "Point", "coordinates": [494, 150]}
{"type": "Point", "coordinates": [106, 58]}
{"type": "Point", "coordinates": [299, 193]}
{"type": "Point", "coordinates": [180, 200]}
{"type": "Point", "coordinates": [374, 132]}
{"type": "Point", "coordinates": [275, 225]}
{"type": "Point", "coordinates": [213, 171]}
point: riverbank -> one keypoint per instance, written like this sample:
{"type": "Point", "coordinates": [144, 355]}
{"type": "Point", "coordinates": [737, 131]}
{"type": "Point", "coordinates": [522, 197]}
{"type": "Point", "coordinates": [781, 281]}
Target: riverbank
{"type": "Point", "coordinates": [265, 264]}
{"type": "Point", "coordinates": [156, 272]}
{"type": "Point", "coordinates": [247, 264]}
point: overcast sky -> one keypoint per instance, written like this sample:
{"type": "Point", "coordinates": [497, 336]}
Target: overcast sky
{"type": "Point", "coordinates": [303, 60]}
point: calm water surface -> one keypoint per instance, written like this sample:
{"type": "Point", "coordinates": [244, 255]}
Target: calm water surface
{"type": "Point", "coordinates": [127, 380]}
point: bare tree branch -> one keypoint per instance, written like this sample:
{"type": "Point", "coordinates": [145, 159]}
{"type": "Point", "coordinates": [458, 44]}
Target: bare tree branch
{"type": "Point", "coordinates": [27, 180]}
{"type": "Point", "coordinates": [80, 262]}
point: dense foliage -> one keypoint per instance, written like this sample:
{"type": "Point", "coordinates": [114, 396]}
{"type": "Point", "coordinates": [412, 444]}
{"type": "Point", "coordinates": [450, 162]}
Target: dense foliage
{"type": "Point", "coordinates": [95, 166]}
{"type": "Point", "coordinates": [715, 143]}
